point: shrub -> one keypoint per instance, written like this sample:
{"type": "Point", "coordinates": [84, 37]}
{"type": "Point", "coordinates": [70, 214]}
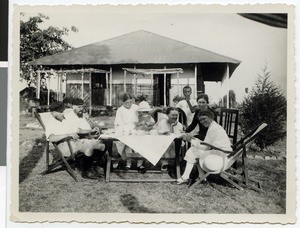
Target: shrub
{"type": "Point", "coordinates": [265, 103]}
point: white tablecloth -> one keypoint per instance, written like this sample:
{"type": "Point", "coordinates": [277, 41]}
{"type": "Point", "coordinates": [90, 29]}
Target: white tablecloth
{"type": "Point", "coordinates": [151, 147]}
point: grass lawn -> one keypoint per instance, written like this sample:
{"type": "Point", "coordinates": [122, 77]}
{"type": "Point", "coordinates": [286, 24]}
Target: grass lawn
{"type": "Point", "coordinates": [58, 192]}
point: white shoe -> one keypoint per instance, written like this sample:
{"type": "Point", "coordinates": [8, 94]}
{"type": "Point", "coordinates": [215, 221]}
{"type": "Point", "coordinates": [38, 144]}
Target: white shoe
{"type": "Point", "coordinates": [115, 164]}
{"type": "Point", "coordinates": [180, 181]}
{"type": "Point", "coordinates": [164, 168]}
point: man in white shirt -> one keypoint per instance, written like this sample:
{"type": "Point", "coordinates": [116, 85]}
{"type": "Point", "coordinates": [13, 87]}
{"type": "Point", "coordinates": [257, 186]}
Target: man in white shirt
{"type": "Point", "coordinates": [216, 136]}
{"type": "Point", "coordinates": [188, 105]}
{"type": "Point", "coordinates": [67, 124]}
{"type": "Point", "coordinates": [166, 126]}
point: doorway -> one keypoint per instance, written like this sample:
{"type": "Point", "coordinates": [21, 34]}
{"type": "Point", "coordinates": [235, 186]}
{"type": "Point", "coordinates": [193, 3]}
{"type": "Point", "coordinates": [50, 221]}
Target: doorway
{"type": "Point", "coordinates": [158, 89]}
{"type": "Point", "coordinates": [98, 88]}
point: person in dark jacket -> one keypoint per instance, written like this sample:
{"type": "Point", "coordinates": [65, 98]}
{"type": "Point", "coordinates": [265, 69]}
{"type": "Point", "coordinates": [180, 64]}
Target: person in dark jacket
{"type": "Point", "coordinates": [202, 101]}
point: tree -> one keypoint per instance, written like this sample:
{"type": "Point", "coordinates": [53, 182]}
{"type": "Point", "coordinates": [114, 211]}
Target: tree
{"type": "Point", "coordinates": [36, 42]}
{"type": "Point", "coordinates": [265, 103]}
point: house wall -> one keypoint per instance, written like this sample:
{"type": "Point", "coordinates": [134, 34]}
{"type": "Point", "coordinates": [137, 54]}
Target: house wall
{"type": "Point", "coordinates": [74, 86]}
{"type": "Point", "coordinates": [74, 82]}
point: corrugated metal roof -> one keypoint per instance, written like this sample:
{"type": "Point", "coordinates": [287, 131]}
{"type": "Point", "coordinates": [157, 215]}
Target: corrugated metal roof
{"type": "Point", "coordinates": [140, 47]}
{"type": "Point", "coordinates": [153, 71]}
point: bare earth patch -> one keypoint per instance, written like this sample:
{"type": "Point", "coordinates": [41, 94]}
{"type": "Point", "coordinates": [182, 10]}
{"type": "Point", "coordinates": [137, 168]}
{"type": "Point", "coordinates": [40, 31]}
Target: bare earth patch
{"type": "Point", "coordinates": [58, 192]}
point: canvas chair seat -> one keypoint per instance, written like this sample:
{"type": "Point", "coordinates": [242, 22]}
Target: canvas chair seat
{"type": "Point", "coordinates": [239, 151]}
{"type": "Point", "coordinates": [62, 162]}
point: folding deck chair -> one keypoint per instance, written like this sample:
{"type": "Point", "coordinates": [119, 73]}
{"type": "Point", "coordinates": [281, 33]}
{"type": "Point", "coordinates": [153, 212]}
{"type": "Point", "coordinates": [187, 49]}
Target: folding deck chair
{"type": "Point", "coordinates": [239, 150]}
{"type": "Point", "coordinates": [63, 162]}
{"type": "Point", "coordinates": [154, 113]}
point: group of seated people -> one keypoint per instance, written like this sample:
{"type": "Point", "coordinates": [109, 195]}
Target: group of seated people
{"type": "Point", "coordinates": [201, 126]}
{"type": "Point", "coordinates": [130, 117]}
{"type": "Point", "coordinates": [71, 123]}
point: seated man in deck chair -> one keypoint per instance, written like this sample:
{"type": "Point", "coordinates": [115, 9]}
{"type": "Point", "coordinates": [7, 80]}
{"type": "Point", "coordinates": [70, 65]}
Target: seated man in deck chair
{"type": "Point", "coordinates": [213, 159]}
{"type": "Point", "coordinates": [67, 124]}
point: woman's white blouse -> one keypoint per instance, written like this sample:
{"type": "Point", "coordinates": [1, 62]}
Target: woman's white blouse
{"type": "Point", "coordinates": [126, 117]}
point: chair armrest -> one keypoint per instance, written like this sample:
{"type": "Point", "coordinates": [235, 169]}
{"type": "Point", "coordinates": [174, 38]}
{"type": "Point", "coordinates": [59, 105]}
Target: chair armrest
{"type": "Point", "coordinates": [63, 140]}
{"type": "Point", "coordinates": [90, 135]}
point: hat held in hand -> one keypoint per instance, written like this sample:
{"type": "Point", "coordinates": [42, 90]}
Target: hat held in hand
{"type": "Point", "coordinates": [213, 161]}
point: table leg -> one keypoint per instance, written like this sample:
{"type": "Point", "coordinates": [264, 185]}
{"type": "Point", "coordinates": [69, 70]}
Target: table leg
{"type": "Point", "coordinates": [108, 164]}
{"type": "Point", "coordinates": [109, 144]}
{"type": "Point", "coordinates": [177, 156]}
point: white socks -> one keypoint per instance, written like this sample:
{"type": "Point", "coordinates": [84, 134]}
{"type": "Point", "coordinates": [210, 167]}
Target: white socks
{"type": "Point", "coordinates": [187, 171]}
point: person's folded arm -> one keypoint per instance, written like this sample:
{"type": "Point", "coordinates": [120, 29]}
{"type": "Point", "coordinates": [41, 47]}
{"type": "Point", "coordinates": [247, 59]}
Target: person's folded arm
{"type": "Point", "coordinates": [197, 143]}
{"type": "Point", "coordinates": [195, 108]}
{"type": "Point", "coordinates": [87, 131]}
{"type": "Point", "coordinates": [193, 125]}
{"type": "Point", "coordinates": [57, 138]}
{"type": "Point", "coordinates": [83, 131]}
{"type": "Point", "coordinates": [92, 124]}
{"type": "Point", "coordinates": [222, 141]}
{"type": "Point", "coordinates": [151, 122]}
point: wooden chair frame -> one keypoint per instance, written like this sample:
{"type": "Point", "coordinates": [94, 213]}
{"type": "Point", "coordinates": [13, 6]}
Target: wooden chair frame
{"type": "Point", "coordinates": [229, 119]}
{"type": "Point", "coordinates": [63, 162]}
{"type": "Point", "coordinates": [181, 118]}
{"type": "Point", "coordinates": [239, 150]}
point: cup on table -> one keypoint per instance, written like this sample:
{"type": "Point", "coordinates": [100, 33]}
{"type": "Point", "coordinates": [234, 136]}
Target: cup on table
{"type": "Point", "coordinates": [153, 132]}
{"type": "Point", "coordinates": [119, 131]}
{"type": "Point", "coordinates": [140, 132]}
{"type": "Point", "coordinates": [126, 132]}
{"type": "Point", "coordinates": [101, 124]}
{"type": "Point", "coordinates": [134, 132]}
{"type": "Point", "coordinates": [105, 132]}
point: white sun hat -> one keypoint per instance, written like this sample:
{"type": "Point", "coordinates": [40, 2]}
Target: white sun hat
{"type": "Point", "coordinates": [213, 161]}
{"type": "Point", "coordinates": [144, 106]}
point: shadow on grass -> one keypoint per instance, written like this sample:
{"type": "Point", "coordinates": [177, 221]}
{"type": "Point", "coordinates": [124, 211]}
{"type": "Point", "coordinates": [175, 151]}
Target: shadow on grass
{"type": "Point", "coordinates": [133, 205]}
{"type": "Point", "coordinates": [29, 162]}
{"type": "Point", "coordinates": [218, 185]}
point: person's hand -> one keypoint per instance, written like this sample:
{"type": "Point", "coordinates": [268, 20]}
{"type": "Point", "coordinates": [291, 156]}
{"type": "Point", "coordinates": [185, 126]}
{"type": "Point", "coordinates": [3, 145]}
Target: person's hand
{"type": "Point", "coordinates": [174, 124]}
{"type": "Point", "coordinates": [187, 137]}
{"type": "Point", "coordinates": [74, 136]}
{"type": "Point", "coordinates": [196, 142]}
{"type": "Point", "coordinates": [196, 108]}
{"type": "Point", "coordinates": [149, 124]}
{"type": "Point", "coordinates": [86, 115]}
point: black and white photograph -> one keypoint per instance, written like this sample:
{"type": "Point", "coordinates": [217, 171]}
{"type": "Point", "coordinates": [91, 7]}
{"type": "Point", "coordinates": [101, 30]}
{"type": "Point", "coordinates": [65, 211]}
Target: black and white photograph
{"type": "Point", "coordinates": [152, 113]}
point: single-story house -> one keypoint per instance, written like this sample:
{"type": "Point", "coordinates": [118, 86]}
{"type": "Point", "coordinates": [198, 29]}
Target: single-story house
{"type": "Point", "coordinates": [139, 62]}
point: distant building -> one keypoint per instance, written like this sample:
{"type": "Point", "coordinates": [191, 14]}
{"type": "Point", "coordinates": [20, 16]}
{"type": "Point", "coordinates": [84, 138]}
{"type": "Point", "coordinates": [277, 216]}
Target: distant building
{"type": "Point", "coordinates": [140, 62]}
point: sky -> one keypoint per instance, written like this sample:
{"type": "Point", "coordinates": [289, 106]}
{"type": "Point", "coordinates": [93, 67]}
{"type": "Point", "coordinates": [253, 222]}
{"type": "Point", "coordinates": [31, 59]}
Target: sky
{"type": "Point", "coordinates": [229, 34]}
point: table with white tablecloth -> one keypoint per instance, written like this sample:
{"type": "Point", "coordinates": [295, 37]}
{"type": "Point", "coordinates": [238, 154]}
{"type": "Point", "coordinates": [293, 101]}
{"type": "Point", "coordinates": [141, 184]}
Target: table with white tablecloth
{"type": "Point", "coordinates": [150, 147]}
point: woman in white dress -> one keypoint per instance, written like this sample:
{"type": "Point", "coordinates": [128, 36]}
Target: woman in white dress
{"type": "Point", "coordinates": [125, 121]}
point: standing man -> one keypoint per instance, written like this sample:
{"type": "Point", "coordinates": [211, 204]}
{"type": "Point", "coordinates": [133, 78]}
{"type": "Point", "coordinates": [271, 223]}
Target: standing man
{"type": "Point", "coordinates": [188, 105]}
